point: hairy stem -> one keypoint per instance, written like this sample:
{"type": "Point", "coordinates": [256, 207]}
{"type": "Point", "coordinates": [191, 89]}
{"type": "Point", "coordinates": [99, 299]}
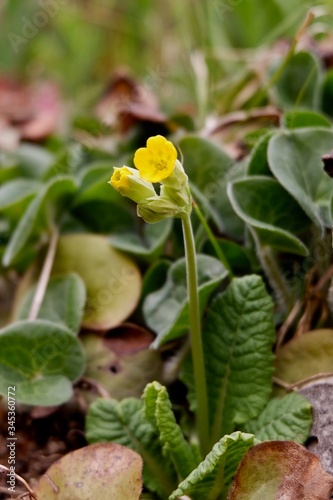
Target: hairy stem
{"type": "Point", "coordinates": [196, 340]}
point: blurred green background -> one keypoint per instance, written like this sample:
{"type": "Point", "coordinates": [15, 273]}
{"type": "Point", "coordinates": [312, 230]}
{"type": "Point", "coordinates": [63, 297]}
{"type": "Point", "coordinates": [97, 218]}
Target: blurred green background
{"type": "Point", "coordinates": [169, 45]}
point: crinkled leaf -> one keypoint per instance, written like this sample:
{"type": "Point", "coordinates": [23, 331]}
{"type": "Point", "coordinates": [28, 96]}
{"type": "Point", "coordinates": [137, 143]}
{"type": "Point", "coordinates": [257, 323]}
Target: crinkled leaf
{"type": "Point", "coordinates": [63, 302]}
{"type": "Point", "coordinates": [295, 160]}
{"type": "Point", "coordinates": [263, 204]}
{"type": "Point", "coordinates": [159, 413]}
{"type": "Point", "coordinates": [209, 168]}
{"type": "Point", "coordinates": [37, 213]}
{"type": "Point", "coordinates": [213, 476]}
{"type": "Point", "coordinates": [166, 310]}
{"type": "Point", "coordinates": [40, 359]}
{"type": "Point", "coordinates": [238, 336]}
{"type": "Point", "coordinates": [280, 470]}
{"type": "Point", "coordinates": [103, 471]}
{"type": "Point", "coordinates": [125, 423]}
{"type": "Point", "coordinates": [112, 280]}
{"type": "Point", "coordinates": [287, 418]}
{"type": "Point", "coordinates": [299, 84]}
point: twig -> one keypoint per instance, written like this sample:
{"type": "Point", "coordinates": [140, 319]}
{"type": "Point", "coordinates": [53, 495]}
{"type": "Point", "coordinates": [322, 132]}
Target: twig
{"type": "Point", "coordinates": [300, 383]}
{"type": "Point", "coordinates": [44, 275]}
{"type": "Point", "coordinates": [325, 277]}
{"type": "Point", "coordinates": [23, 481]}
{"type": "Point", "coordinates": [270, 112]}
{"type": "Point", "coordinates": [287, 324]}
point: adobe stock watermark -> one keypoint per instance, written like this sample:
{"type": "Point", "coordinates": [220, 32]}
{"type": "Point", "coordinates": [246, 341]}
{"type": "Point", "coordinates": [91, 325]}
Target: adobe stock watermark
{"type": "Point", "coordinates": [30, 27]}
{"type": "Point", "coordinates": [11, 438]}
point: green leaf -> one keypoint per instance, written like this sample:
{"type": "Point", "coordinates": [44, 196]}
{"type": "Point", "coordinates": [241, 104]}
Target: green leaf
{"type": "Point", "coordinates": [327, 98]}
{"type": "Point", "coordinates": [209, 168]}
{"type": "Point", "coordinates": [263, 204]}
{"type": "Point", "coordinates": [148, 243]}
{"type": "Point", "coordinates": [102, 471]}
{"type": "Point", "coordinates": [40, 359]}
{"type": "Point", "coordinates": [304, 119]}
{"type": "Point", "coordinates": [98, 206]}
{"type": "Point", "coordinates": [154, 277]}
{"type": "Point", "coordinates": [124, 423]}
{"type": "Point", "coordinates": [258, 161]}
{"type": "Point", "coordinates": [237, 256]}
{"type": "Point", "coordinates": [295, 160]}
{"type": "Point", "coordinates": [112, 280]}
{"type": "Point", "coordinates": [166, 310]}
{"type": "Point", "coordinates": [288, 418]}
{"type": "Point", "coordinates": [34, 161]}
{"type": "Point", "coordinates": [238, 336]}
{"type": "Point", "coordinates": [213, 476]}
{"type": "Point", "coordinates": [15, 191]}
{"type": "Point", "coordinates": [299, 84]}
{"type": "Point", "coordinates": [63, 302]}
{"type": "Point", "coordinates": [159, 413]}
{"type": "Point", "coordinates": [36, 214]}
{"type": "Point", "coordinates": [251, 23]}
{"type": "Point", "coordinates": [94, 184]}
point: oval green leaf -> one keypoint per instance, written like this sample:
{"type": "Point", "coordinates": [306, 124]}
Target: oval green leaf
{"type": "Point", "coordinates": [63, 302]}
{"type": "Point", "coordinates": [35, 216]}
{"type": "Point", "coordinates": [40, 359]}
{"type": "Point", "coordinates": [166, 310]}
{"type": "Point", "coordinates": [112, 280]}
{"type": "Point", "coordinates": [295, 160]}
{"type": "Point", "coordinates": [263, 204]}
{"type": "Point", "coordinates": [209, 168]}
{"type": "Point", "coordinates": [101, 471]}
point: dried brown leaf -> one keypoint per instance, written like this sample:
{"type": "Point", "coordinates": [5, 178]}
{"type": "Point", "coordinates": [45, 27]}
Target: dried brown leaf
{"type": "Point", "coordinates": [281, 470]}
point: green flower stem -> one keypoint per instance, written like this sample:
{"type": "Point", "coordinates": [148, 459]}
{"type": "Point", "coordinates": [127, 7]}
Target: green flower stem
{"type": "Point", "coordinates": [212, 239]}
{"type": "Point", "coordinates": [196, 340]}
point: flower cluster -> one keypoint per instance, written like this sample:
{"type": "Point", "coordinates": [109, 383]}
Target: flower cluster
{"type": "Point", "coordinates": [156, 163]}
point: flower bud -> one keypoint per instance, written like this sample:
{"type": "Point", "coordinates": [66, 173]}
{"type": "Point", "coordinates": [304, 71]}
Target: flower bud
{"type": "Point", "coordinates": [177, 179]}
{"type": "Point", "coordinates": [127, 182]}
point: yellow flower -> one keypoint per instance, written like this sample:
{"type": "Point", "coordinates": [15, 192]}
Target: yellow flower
{"type": "Point", "coordinates": [157, 161]}
{"type": "Point", "coordinates": [128, 182]}
{"type": "Point", "coordinates": [119, 179]}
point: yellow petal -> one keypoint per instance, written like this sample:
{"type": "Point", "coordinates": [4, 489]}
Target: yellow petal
{"type": "Point", "coordinates": [157, 161]}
